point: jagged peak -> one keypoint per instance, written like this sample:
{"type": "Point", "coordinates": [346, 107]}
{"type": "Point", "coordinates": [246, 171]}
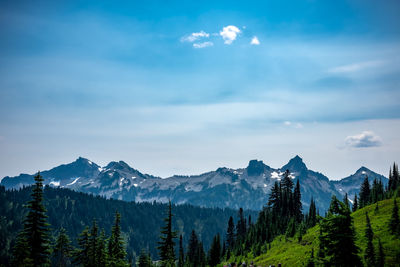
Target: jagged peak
{"type": "Point", "coordinates": [256, 167]}
{"type": "Point", "coordinates": [118, 165]}
{"type": "Point", "coordinates": [295, 164]}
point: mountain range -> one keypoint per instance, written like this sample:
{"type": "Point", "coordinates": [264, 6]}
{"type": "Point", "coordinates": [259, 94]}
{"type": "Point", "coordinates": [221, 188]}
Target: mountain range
{"type": "Point", "coordinates": [225, 187]}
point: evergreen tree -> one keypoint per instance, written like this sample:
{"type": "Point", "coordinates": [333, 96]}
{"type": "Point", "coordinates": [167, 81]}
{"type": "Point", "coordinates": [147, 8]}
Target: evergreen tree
{"type": "Point", "coordinates": [144, 259]}
{"type": "Point", "coordinates": [215, 251]}
{"type": "Point", "coordinates": [394, 223]}
{"type": "Point", "coordinates": [116, 250]}
{"type": "Point", "coordinates": [380, 261]}
{"type": "Point", "coordinates": [274, 200]}
{"type": "Point", "coordinates": [241, 225]}
{"type": "Point", "coordinates": [346, 200]}
{"type": "Point", "coordinates": [181, 259]}
{"type": "Point", "coordinates": [35, 235]}
{"type": "Point", "coordinates": [311, 262]}
{"type": "Point", "coordinates": [62, 251]}
{"type": "Point", "coordinates": [364, 193]}
{"type": "Point", "coordinates": [82, 252]}
{"type": "Point", "coordinates": [93, 243]}
{"type": "Point", "coordinates": [192, 251]}
{"type": "Point", "coordinates": [101, 251]}
{"type": "Point", "coordinates": [394, 179]}
{"type": "Point", "coordinates": [20, 257]}
{"type": "Point", "coordinates": [337, 237]}
{"type": "Point", "coordinates": [312, 216]}
{"type": "Point", "coordinates": [201, 255]}
{"type": "Point", "coordinates": [369, 251]}
{"type": "Point", "coordinates": [297, 206]}
{"type": "Point", "coordinates": [230, 234]}
{"type": "Point", "coordinates": [291, 228]}
{"type": "Point", "coordinates": [166, 245]}
{"type": "Point", "coordinates": [287, 183]}
{"type": "Point", "coordinates": [355, 203]}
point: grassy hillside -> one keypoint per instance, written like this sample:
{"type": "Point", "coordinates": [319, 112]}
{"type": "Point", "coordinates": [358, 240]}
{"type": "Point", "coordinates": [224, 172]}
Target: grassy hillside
{"type": "Point", "coordinates": [291, 252]}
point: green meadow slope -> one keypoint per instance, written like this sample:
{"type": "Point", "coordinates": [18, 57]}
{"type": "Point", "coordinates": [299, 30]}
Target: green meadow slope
{"type": "Point", "coordinates": [291, 252]}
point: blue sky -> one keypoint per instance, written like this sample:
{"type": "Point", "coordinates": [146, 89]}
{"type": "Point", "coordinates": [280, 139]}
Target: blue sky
{"type": "Point", "coordinates": [183, 87]}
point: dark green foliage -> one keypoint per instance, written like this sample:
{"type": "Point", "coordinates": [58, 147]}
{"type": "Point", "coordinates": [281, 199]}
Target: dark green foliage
{"type": "Point", "coordinates": [241, 227]}
{"type": "Point", "coordinates": [355, 203]}
{"type": "Point", "coordinates": [311, 262]}
{"type": "Point", "coordinates": [337, 237]}
{"type": "Point", "coordinates": [346, 200]}
{"type": "Point", "coordinates": [20, 255]}
{"type": "Point", "coordinates": [377, 191]}
{"type": "Point", "coordinates": [101, 251]}
{"type": "Point", "coordinates": [215, 252]}
{"type": "Point", "coordinates": [192, 250]}
{"type": "Point", "coordinates": [380, 261]}
{"type": "Point", "coordinates": [291, 228]}
{"type": "Point", "coordinates": [166, 245]}
{"type": "Point", "coordinates": [116, 247]}
{"type": "Point", "coordinates": [35, 234]}
{"type": "Point", "coordinates": [181, 257]}
{"type": "Point", "coordinates": [394, 179]}
{"type": "Point", "coordinates": [312, 215]}
{"type": "Point", "coordinates": [369, 254]}
{"type": "Point", "coordinates": [81, 254]}
{"type": "Point", "coordinates": [145, 259]}
{"type": "Point", "coordinates": [394, 223]}
{"type": "Point", "coordinates": [93, 243]}
{"type": "Point", "coordinates": [62, 250]}
{"type": "Point", "coordinates": [365, 192]}
{"type": "Point", "coordinates": [230, 234]}
{"type": "Point", "coordinates": [297, 206]}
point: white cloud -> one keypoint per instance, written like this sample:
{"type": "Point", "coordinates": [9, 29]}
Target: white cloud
{"type": "Point", "coordinates": [229, 33]}
{"type": "Point", "coordinates": [255, 41]}
{"type": "Point", "coordinates": [356, 66]}
{"type": "Point", "coordinates": [365, 139]}
{"type": "Point", "coordinates": [195, 36]}
{"type": "Point", "coordinates": [203, 44]}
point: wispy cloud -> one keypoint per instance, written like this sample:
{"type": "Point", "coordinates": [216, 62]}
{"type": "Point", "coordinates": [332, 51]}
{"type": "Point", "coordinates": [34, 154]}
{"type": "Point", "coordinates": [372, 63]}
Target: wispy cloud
{"type": "Point", "coordinates": [195, 36]}
{"type": "Point", "coordinates": [203, 44]}
{"type": "Point", "coordinates": [356, 66]}
{"type": "Point", "coordinates": [229, 34]}
{"type": "Point", "coordinates": [365, 139]}
{"type": "Point", "coordinates": [255, 41]}
{"type": "Point", "coordinates": [292, 124]}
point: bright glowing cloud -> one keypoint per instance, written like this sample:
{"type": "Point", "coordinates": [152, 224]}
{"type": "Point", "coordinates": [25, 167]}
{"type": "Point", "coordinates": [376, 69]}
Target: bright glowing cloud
{"type": "Point", "coordinates": [195, 36]}
{"type": "Point", "coordinates": [203, 44]}
{"type": "Point", "coordinates": [365, 139]}
{"type": "Point", "coordinates": [255, 41]}
{"type": "Point", "coordinates": [229, 34]}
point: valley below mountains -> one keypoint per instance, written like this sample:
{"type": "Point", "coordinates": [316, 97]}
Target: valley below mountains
{"type": "Point", "coordinates": [248, 187]}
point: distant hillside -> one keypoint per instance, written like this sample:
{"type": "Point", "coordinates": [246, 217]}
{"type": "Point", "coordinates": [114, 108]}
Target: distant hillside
{"type": "Point", "coordinates": [225, 187]}
{"type": "Point", "coordinates": [290, 252]}
{"type": "Point", "coordinates": [140, 222]}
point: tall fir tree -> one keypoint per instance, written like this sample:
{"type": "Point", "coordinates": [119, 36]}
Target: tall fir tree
{"type": "Point", "coordinates": [355, 203]}
{"type": "Point", "coordinates": [93, 243]}
{"type": "Point", "coordinates": [82, 252]}
{"type": "Point", "coordinates": [230, 234]}
{"type": "Point", "coordinates": [337, 237]}
{"type": "Point", "coordinates": [312, 214]}
{"type": "Point", "coordinates": [346, 200]}
{"type": "Point", "coordinates": [62, 250]}
{"type": "Point", "coordinates": [369, 254]}
{"type": "Point", "coordinates": [192, 251]}
{"type": "Point", "coordinates": [181, 258]}
{"type": "Point", "coordinates": [394, 223]}
{"type": "Point", "coordinates": [116, 246]}
{"type": "Point", "coordinates": [241, 225]}
{"type": "Point", "coordinates": [297, 206]}
{"type": "Point", "coordinates": [144, 259]}
{"type": "Point", "coordinates": [167, 244]}
{"type": "Point", "coordinates": [101, 251]}
{"type": "Point", "coordinates": [35, 234]}
{"type": "Point", "coordinates": [394, 179]}
{"type": "Point", "coordinates": [215, 251]}
{"type": "Point", "coordinates": [365, 192]}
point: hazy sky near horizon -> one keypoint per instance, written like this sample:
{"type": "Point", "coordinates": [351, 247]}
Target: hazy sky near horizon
{"type": "Point", "coordinates": [183, 87]}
